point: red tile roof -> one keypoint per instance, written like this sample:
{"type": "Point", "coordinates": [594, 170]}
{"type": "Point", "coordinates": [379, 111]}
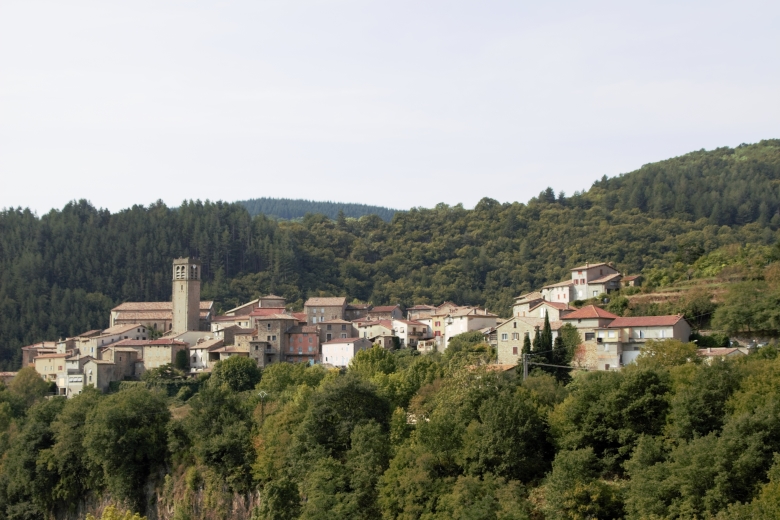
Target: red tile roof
{"type": "Point", "coordinates": [718, 351]}
{"type": "Point", "coordinates": [645, 321]}
{"type": "Point", "coordinates": [590, 312]}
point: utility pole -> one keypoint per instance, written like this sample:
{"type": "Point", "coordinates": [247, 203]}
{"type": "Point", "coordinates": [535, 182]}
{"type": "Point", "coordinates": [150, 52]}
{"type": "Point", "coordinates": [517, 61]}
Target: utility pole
{"type": "Point", "coordinates": [525, 366]}
{"type": "Point", "coordinates": [262, 395]}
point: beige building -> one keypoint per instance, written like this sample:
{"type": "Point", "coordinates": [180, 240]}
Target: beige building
{"type": "Point", "coordinates": [99, 373]}
{"type": "Point", "coordinates": [511, 334]}
{"type": "Point", "coordinates": [410, 332]}
{"type": "Point", "coordinates": [200, 355]}
{"type": "Point", "coordinates": [321, 309]}
{"type": "Point", "coordinates": [30, 352]}
{"type": "Point", "coordinates": [554, 310]}
{"type": "Point", "coordinates": [49, 365]}
{"type": "Point", "coordinates": [157, 315]}
{"type": "Point", "coordinates": [619, 343]}
{"type": "Point", "coordinates": [419, 311]}
{"type": "Point", "coordinates": [386, 312]}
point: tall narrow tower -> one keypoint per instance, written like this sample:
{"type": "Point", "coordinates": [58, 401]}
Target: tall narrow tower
{"type": "Point", "coordinates": [186, 294]}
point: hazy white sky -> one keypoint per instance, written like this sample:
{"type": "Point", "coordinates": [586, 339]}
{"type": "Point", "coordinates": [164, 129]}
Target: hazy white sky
{"type": "Point", "coordinates": [402, 103]}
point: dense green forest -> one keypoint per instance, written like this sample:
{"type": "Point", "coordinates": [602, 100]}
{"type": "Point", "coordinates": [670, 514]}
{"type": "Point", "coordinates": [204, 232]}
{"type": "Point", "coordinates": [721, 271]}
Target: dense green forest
{"type": "Point", "coordinates": [291, 209]}
{"type": "Point", "coordinates": [405, 436]}
{"type": "Point", "coordinates": [60, 273]}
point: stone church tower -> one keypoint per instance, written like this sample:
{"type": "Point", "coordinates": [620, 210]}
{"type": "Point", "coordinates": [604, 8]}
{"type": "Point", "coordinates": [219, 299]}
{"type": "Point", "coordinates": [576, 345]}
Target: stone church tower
{"type": "Point", "coordinates": [186, 294]}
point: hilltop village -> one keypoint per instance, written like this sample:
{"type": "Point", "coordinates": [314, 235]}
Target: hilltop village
{"type": "Point", "coordinates": [330, 331]}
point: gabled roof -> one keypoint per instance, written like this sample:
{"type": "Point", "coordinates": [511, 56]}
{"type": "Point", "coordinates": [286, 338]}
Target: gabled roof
{"type": "Point", "coordinates": [590, 266]}
{"type": "Point", "coordinates": [559, 284]}
{"type": "Point", "coordinates": [208, 344]}
{"type": "Point", "coordinates": [119, 329]}
{"type": "Point", "coordinates": [271, 297]}
{"type": "Point", "coordinates": [41, 345]}
{"type": "Point", "coordinates": [607, 278]}
{"type": "Point", "coordinates": [300, 316]}
{"type": "Point", "coordinates": [248, 304]}
{"type": "Point", "coordinates": [384, 308]}
{"type": "Point", "coordinates": [533, 322]}
{"type": "Point", "coordinates": [51, 356]}
{"type": "Point", "coordinates": [275, 317]}
{"type": "Point", "coordinates": [421, 307]}
{"type": "Point", "coordinates": [266, 311]}
{"type": "Point", "coordinates": [590, 312]}
{"type": "Point", "coordinates": [166, 341]}
{"type": "Point", "coordinates": [358, 306]}
{"type": "Point", "coordinates": [330, 322]}
{"type": "Point", "coordinates": [129, 343]}
{"type": "Point", "coordinates": [718, 351]}
{"type": "Point", "coordinates": [156, 306]}
{"type": "Point", "coordinates": [472, 312]}
{"type": "Point", "coordinates": [632, 277]}
{"type": "Point", "coordinates": [529, 297]}
{"type": "Point", "coordinates": [556, 305]}
{"type": "Point", "coordinates": [645, 321]}
{"type": "Point", "coordinates": [336, 301]}
{"type": "Point", "coordinates": [411, 322]}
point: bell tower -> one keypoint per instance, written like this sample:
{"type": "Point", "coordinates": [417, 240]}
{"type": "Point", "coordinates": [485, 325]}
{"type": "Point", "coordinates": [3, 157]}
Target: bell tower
{"type": "Point", "coordinates": [186, 294]}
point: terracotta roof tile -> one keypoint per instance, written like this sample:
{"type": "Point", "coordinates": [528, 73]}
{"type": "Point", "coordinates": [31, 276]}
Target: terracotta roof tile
{"type": "Point", "coordinates": [589, 312]}
{"type": "Point", "coordinates": [645, 321]}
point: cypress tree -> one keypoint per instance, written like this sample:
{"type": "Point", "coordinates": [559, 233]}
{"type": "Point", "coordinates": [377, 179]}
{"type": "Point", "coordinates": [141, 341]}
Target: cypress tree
{"type": "Point", "coordinates": [527, 344]}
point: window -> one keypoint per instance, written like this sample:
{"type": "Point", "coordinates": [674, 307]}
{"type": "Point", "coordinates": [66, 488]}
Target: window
{"type": "Point", "coordinates": [514, 350]}
{"type": "Point", "coordinates": [310, 349]}
{"type": "Point", "coordinates": [328, 337]}
{"type": "Point", "coordinates": [515, 336]}
{"type": "Point", "coordinates": [273, 338]}
{"type": "Point", "coordinates": [437, 324]}
{"type": "Point", "coordinates": [268, 326]}
{"type": "Point", "coordinates": [343, 336]}
{"type": "Point", "coordinates": [344, 327]}
{"type": "Point", "coordinates": [438, 333]}
{"type": "Point", "coordinates": [611, 334]}
{"type": "Point", "coordinates": [514, 324]}
{"type": "Point", "coordinates": [606, 366]}
{"type": "Point", "coordinates": [60, 368]}
{"type": "Point", "coordinates": [589, 336]}
{"type": "Point", "coordinates": [309, 339]}
{"type": "Point", "coordinates": [268, 338]}
{"type": "Point", "coordinates": [322, 311]}
{"type": "Point", "coordinates": [504, 336]}
{"type": "Point", "coordinates": [329, 327]}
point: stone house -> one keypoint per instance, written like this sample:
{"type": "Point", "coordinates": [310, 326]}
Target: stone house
{"type": "Point", "coordinates": [587, 320]}
{"type": "Point", "coordinates": [158, 315]}
{"type": "Point", "coordinates": [272, 338]}
{"type": "Point", "coordinates": [339, 352]}
{"type": "Point", "coordinates": [419, 311]}
{"type": "Point", "coordinates": [511, 335]}
{"type": "Point", "coordinates": [332, 329]}
{"type": "Point", "coordinates": [355, 311]}
{"type": "Point", "coordinates": [523, 303]}
{"type": "Point", "coordinates": [634, 280]}
{"type": "Point", "coordinates": [30, 352]}
{"type": "Point", "coordinates": [591, 280]}
{"type": "Point", "coordinates": [386, 312]}
{"type": "Point", "coordinates": [321, 309]}
{"type": "Point", "coordinates": [90, 344]}
{"type": "Point", "coordinates": [99, 373]}
{"type": "Point", "coordinates": [374, 328]}
{"type": "Point", "coordinates": [708, 354]}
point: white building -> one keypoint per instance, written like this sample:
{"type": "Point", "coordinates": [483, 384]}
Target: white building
{"type": "Point", "coordinates": [340, 351]}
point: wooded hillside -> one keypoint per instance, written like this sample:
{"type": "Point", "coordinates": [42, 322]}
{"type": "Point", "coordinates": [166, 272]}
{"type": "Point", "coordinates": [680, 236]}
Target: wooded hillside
{"type": "Point", "coordinates": [60, 273]}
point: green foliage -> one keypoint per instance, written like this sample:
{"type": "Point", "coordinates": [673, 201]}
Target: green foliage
{"type": "Point", "coordinates": [28, 386]}
{"type": "Point", "coordinates": [376, 360]}
{"type": "Point", "coordinates": [575, 491]}
{"type": "Point", "coordinates": [125, 435]}
{"type": "Point", "coordinates": [112, 513]}
{"type": "Point", "coordinates": [749, 306]}
{"type": "Point", "coordinates": [290, 209]}
{"type": "Point", "coordinates": [237, 373]}
{"type": "Point", "coordinates": [182, 361]}
{"type": "Point", "coordinates": [166, 372]}
{"type": "Point", "coordinates": [667, 353]}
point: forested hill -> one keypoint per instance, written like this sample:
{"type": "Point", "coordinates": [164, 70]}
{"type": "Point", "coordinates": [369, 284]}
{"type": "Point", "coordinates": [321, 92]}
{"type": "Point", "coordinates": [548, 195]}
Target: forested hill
{"type": "Point", "coordinates": [61, 273]}
{"type": "Point", "coordinates": [731, 186]}
{"type": "Point", "coordinates": [290, 209]}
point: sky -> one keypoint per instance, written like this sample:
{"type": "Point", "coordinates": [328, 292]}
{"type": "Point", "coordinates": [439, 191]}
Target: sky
{"type": "Point", "coordinates": [400, 104]}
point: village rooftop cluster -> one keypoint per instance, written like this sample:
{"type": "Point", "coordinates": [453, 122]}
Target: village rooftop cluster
{"type": "Point", "coordinates": [331, 331]}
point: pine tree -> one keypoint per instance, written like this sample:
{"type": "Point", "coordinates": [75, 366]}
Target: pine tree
{"type": "Point", "coordinates": [527, 344]}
